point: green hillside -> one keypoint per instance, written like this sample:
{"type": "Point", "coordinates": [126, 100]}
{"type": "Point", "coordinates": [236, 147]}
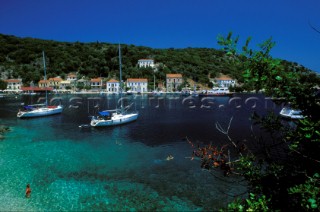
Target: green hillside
{"type": "Point", "coordinates": [22, 57]}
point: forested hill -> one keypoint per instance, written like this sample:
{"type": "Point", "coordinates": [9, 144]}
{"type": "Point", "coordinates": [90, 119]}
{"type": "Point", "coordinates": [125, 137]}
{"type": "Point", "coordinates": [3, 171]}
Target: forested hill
{"type": "Point", "coordinates": [22, 57]}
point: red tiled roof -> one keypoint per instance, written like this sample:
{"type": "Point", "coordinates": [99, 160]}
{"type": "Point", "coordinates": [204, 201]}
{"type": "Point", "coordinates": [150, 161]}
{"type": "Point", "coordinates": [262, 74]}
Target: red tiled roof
{"type": "Point", "coordinates": [36, 89]}
{"type": "Point", "coordinates": [223, 77]}
{"type": "Point", "coordinates": [13, 80]}
{"type": "Point", "coordinates": [174, 75]}
{"type": "Point", "coordinates": [96, 80]}
{"type": "Point", "coordinates": [137, 80]}
{"type": "Point", "coordinates": [113, 80]}
{"type": "Point", "coordinates": [55, 79]}
{"type": "Point", "coordinates": [72, 75]}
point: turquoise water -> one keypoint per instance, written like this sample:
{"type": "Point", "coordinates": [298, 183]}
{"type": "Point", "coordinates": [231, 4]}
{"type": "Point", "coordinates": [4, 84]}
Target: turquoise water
{"type": "Point", "coordinates": [117, 169]}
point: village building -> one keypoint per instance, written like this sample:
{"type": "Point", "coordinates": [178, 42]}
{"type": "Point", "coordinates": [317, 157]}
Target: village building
{"type": "Point", "coordinates": [137, 85]}
{"type": "Point", "coordinates": [72, 77]}
{"type": "Point", "coordinates": [65, 84]}
{"type": "Point", "coordinates": [96, 83]}
{"type": "Point", "coordinates": [146, 63]}
{"type": "Point", "coordinates": [224, 81]}
{"type": "Point", "coordinates": [55, 82]}
{"type": "Point", "coordinates": [13, 84]}
{"type": "Point", "coordinates": [43, 83]}
{"type": "Point", "coordinates": [113, 86]}
{"type": "Point", "coordinates": [173, 81]}
{"type": "Point", "coordinates": [51, 82]}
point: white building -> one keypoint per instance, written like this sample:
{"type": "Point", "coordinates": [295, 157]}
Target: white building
{"type": "Point", "coordinates": [65, 84]}
{"type": "Point", "coordinates": [137, 85]}
{"type": "Point", "coordinates": [224, 81]}
{"type": "Point", "coordinates": [96, 83]}
{"type": "Point", "coordinates": [173, 81]}
{"type": "Point", "coordinates": [14, 84]}
{"type": "Point", "coordinates": [113, 86]}
{"type": "Point", "coordinates": [72, 77]}
{"type": "Point", "coordinates": [146, 63]}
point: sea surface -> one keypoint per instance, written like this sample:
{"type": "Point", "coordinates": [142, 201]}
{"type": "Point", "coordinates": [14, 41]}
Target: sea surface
{"type": "Point", "coordinates": [122, 168]}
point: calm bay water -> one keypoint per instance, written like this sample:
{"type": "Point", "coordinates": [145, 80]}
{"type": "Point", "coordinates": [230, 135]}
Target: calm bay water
{"type": "Point", "coordinates": [123, 167]}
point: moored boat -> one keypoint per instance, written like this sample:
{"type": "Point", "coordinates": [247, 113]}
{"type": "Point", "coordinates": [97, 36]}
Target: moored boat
{"type": "Point", "coordinates": [38, 110]}
{"type": "Point", "coordinates": [108, 118]}
{"type": "Point", "coordinates": [30, 111]}
{"type": "Point", "coordinates": [117, 116]}
{"type": "Point", "coordinates": [290, 113]}
{"type": "Point", "coordinates": [217, 91]}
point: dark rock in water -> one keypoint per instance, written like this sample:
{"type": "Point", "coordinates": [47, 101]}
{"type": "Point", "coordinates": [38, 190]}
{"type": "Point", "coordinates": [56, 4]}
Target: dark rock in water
{"type": "Point", "coordinates": [3, 130]}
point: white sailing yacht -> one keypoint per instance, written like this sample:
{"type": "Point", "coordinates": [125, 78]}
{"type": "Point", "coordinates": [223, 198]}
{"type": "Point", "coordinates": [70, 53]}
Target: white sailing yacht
{"type": "Point", "coordinates": [38, 110]}
{"type": "Point", "coordinates": [114, 117]}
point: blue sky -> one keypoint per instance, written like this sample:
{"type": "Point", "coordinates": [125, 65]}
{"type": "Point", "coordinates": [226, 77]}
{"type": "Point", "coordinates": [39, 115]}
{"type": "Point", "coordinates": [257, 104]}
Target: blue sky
{"type": "Point", "coordinates": [171, 23]}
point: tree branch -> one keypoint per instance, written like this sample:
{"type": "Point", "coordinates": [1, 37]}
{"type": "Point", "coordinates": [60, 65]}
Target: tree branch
{"type": "Point", "coordinates": [314, 28]}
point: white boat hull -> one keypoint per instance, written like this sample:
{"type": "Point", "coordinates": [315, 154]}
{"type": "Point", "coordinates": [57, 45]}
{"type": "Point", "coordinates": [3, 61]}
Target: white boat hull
{"type": "Point", "coordinates": [43, 111]}
{"type": "Point", "coordinates": [116, 119]}
{"type": "Point", "coordinates": [216, 92]}
{"type": "Point", "coordinates": [291, 113]}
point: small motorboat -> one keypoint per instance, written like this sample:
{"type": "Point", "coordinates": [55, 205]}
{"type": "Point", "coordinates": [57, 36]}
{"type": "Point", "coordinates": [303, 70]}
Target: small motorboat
{"type": "Point", "coordinates": [290, 113]}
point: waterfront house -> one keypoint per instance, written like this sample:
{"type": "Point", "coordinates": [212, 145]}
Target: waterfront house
{"type": "Point", "coordinates": [65, 84]}
{"type": "Point", "coordinates": [43, 83]}
{"type": "Point", "coordinates": [51, 82]}
{"type": "Point", "coordinates": [173, 81]}
{"type": "Point", "coordinates": [72, 77]}
{"type": "Point", "coordinates": [224, 81]}
{"type": "Point", "coordinates": [54, 82]}
{"type": "Point", "coordinates": [113, 86]}
{"type": "Point", "coordinates": [146, 63]}
{"type": "Point", "coordinates": [137, 84]}
{"type": "Point", "coordinates": [83, 83]}
{"type": "Point", "coordinates": [96, 83]}
{"type": "Point", "coordinates": [13, 84]}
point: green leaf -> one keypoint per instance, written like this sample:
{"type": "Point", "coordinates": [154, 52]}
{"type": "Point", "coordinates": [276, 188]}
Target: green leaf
{"type": "Point", "coordinates": [312, 201]}
{"type": "Point", "coordinates": [278, 78]}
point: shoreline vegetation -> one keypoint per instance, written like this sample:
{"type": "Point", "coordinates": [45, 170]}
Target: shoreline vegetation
{"type": "Point", "coordinates": [21, 58]}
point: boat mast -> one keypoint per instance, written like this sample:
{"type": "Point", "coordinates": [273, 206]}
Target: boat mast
{"type": "Point", "coordinates": [120, 69]}
{"type": "Point", "coordinates": [45, 76]}
{"type": "Point", "coordinates": [154, 82]}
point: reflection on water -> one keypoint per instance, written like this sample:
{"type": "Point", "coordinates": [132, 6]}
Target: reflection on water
{"type": "Point", "coordinates": [118, 168]}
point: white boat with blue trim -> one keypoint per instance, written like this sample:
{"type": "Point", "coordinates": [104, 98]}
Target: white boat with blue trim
{"type": "Point", "coordinates": [290, 113]}
{"type": "Point", "coordinates": [216, 91]}
{"type": "Point", "coordinates": [38, 110]}
{"type": "Point", "coordinates": [114, 117]}
{"type": "Point", "coordinates": [108, 118]}
{"type": "Point", "coordinates": [30, 111]}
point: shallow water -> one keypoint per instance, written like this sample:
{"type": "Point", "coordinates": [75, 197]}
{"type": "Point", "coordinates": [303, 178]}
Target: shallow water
{"type": "Point", "coordinates": [117, 168]}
